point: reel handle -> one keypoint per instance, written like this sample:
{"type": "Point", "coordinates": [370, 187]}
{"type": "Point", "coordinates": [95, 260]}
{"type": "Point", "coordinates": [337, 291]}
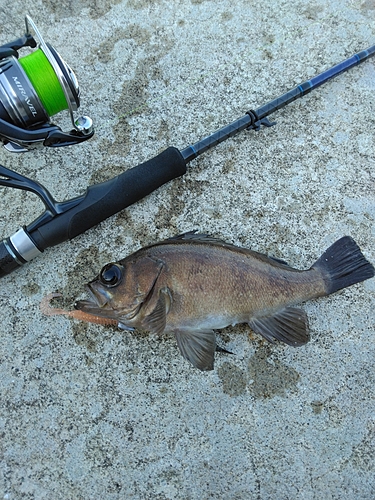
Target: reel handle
{"type": "Point", "coordinates": [98, 203]}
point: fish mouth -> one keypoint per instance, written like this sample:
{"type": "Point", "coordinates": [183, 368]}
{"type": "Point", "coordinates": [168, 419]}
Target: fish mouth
{"type": "Point", "coordinates": [98, 297]}
{"type": "Point", "coordinates": [98, 304]}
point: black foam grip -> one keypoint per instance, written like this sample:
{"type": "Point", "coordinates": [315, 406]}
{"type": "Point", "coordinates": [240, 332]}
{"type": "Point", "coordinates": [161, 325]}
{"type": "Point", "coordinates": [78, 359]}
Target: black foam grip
{"type": "Point", "coordinates": [7, 261]}
{"type": "Point", "coordinates": [129, 187]}
{"type": "Point", "coordinates": [105, 199]}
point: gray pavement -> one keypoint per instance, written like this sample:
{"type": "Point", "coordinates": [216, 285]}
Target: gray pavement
{"type": "Point", "coordinates": [92, 412]}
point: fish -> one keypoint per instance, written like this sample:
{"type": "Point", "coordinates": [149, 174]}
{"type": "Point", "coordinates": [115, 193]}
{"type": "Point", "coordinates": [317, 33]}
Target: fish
{"type": "Point", "coordinates": [193, 284]}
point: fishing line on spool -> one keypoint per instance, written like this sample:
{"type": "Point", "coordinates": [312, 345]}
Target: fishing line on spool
{"type": "Point", "coordinates": [45, 82]}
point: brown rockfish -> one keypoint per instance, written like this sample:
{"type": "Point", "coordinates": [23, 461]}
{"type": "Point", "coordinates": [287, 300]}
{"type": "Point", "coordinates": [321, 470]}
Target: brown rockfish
{"type": "Point", "coordinates": [193, 284]}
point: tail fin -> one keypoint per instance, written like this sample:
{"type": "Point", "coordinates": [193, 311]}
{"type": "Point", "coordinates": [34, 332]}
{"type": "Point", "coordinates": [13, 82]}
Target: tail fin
{"type": "Point", "coordinates": [343, 264]}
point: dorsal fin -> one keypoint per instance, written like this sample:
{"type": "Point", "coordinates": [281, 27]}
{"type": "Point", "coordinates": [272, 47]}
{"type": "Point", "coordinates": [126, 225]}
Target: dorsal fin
{"type": "Point", "coordinates": [202, 238]}
{"type": "Point", "coordinates": [194, 236]}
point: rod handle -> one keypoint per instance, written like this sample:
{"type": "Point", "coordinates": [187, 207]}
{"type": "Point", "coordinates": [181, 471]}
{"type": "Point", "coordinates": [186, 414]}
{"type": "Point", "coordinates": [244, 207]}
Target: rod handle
{"type": "Point", "coordinates": [8, 260]}
{"type": "Point", "coordinates": [103, 200]}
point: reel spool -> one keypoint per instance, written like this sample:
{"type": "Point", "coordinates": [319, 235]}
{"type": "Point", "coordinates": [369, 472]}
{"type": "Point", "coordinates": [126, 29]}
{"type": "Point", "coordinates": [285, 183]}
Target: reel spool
{"type": "Point", "coordinates": [34, 88]}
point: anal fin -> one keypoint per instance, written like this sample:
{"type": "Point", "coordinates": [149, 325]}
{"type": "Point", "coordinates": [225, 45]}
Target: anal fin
{"type": "Point", "coordinates": [289, 325]}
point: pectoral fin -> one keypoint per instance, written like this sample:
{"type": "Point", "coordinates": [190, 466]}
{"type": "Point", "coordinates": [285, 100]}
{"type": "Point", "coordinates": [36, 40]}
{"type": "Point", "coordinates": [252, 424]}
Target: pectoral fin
{"type": "Point", "coordinates": [198, 347]}
{"type": "Point", "coordinates": [289, 325]}
{"type": "Point", "coordinates": [156, 310]}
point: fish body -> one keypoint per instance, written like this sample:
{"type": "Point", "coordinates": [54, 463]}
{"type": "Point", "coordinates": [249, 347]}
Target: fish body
{"type": "Point", "coordinates": [193, 284]}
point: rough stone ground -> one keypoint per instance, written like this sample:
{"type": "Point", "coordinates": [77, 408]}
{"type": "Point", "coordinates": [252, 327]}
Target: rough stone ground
{"type": "Point", "coordinates": [88, 412]}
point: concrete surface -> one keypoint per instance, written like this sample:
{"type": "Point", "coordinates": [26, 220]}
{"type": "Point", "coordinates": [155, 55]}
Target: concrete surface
{"type": "Point", "coordinates": [88, 412]}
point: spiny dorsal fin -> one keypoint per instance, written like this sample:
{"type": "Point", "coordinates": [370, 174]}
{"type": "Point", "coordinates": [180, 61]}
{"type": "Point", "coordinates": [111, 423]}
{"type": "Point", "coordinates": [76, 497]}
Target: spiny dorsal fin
{"type": "Point", "coordinates": [197, 237]}
{"type": "Point", "coordinates": [202, 238]}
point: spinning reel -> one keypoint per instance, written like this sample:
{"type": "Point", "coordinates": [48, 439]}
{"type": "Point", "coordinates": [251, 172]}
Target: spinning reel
{"type": "Point", "coordinates": [34, 88]}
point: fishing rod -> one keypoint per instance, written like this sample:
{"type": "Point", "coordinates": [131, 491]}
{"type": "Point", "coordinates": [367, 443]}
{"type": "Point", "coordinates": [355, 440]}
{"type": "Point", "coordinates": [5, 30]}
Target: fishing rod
{"type": "Point", "coordinates": [66, 220]}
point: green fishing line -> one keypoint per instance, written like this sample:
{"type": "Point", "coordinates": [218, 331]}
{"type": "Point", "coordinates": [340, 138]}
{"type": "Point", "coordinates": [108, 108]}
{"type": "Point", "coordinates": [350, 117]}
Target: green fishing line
{"type": "Point", "coordinates": [45, 82]}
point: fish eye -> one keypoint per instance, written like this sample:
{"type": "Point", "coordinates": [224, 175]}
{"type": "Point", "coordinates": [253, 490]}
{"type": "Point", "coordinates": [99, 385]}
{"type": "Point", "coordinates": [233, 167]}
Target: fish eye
{"type": "Point", "coordinates": [110, 275]}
